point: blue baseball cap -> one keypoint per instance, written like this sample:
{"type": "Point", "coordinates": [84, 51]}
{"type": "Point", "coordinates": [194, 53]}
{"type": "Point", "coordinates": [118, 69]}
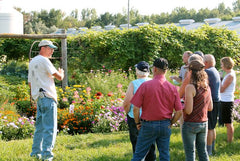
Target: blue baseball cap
{"type": "Point", "coordinates": [143, 66]}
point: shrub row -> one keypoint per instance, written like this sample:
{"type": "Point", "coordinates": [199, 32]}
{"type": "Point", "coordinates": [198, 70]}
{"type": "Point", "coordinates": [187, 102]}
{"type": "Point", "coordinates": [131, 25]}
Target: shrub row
{"type": "Point", "coordinates": [120, 49]}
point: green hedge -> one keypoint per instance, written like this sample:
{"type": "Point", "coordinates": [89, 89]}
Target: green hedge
{"type": "Point", "coordinates": [120, 49]}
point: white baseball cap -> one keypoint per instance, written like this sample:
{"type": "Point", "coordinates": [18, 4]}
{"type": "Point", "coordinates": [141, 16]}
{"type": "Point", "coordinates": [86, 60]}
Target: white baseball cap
{"type": "Point", "coordinates": [47, 43]}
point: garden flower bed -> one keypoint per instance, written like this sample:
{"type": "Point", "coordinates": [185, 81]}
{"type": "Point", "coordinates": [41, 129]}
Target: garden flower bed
{"type": "Point", "coordinates": [81, 109]}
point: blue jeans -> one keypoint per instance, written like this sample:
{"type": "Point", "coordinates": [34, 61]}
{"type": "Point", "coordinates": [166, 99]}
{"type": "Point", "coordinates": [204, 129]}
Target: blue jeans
{"type": "Point", "coordinates": [133, 133]}
{"type": "Point", "coordinates": [150, 132]}
{"type": "Point", "coordinates": [194, 134]}
{"type": "Point", "coordinates": [46, 128]}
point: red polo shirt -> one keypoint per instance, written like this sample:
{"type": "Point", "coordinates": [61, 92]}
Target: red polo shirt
{"type": "Point", "coordinates": [158, 98]}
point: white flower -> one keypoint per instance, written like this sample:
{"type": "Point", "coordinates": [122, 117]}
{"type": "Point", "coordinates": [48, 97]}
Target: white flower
{"type": "Point", "coordinates": [13, 125]}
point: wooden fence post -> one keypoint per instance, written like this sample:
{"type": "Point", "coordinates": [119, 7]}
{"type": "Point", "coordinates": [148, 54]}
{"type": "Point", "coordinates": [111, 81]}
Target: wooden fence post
{"type": "Point", "coordinates": [64, 63]}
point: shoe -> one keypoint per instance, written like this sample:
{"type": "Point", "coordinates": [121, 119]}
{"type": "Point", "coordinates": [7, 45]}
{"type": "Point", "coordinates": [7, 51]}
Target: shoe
{"type": "Point", "coordinates": [47, 159]}
{"type": "Point", "coordinates": [38, 156]}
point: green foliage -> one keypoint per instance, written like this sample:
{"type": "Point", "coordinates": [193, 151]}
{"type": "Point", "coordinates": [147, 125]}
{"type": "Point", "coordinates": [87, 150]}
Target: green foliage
{"type": "Point", "coordinates": [10, 88]}
{"type": "Point", "coordinates": [121, 49]}
{"type": "Point", "coordinates": [15, 48]}
{"type": "Point", "coordinates": [21, 91]}
{"type": "Point", "coordinates": [78, 122]}
{"type": "Point", "coordinates": [19, 129]}
{"type": "Point", "coordinates": [117, 49]}
{"type": "Point", "coordinates": [24, 107]}
{"type": "Point", "coordinates": [15, 68]}
{"type": "Point", "coordinates": [110, 119]}
{"type": "Point", "coordinates": [7, 106]}
{"type": "Point", "coordinates": [103, 80]}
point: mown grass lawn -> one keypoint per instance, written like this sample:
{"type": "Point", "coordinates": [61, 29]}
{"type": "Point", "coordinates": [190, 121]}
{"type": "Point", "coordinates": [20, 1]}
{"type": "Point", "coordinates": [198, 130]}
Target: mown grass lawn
{"type": "Point", "coordinates": [114, 147]}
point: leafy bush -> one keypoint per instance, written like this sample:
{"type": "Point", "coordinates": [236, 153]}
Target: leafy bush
{"type": "Point", "coordinates": [120, 49]}
{"type": "Point", "coordinates": [236, 110]}
{"type": "Point", "coordinates": [104, 80]}
{"type": "Point", "coordinates": [79, 121]}
{"type": "Point", "coordinates": [20, 129]}
{"type": "Point", "coordinates": [26, 108]}
{"type": "Point", "coordinates": [15, 68]}
{"type": "Point", "coordinates": [17, 49]}
{"type": "Point", "coordinates": [110, 119]}
{"type": "Point", "coordinates": [13, 88]}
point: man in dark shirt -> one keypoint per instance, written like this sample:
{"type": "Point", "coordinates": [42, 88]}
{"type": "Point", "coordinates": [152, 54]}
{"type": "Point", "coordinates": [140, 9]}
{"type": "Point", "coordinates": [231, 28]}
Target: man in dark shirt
{"type": "Point", "coordinates": [214, 83]}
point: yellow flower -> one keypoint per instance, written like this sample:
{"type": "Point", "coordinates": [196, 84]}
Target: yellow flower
{"type": "Point", "coordinates": [77, 86]}
{"type": "Point", "coordinates": [84, 91]}
{"type": "Point", "coordinates": [67, 87]}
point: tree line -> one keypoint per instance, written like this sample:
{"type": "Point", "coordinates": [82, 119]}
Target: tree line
{"type": "Point", "coordinates": [45, 22]}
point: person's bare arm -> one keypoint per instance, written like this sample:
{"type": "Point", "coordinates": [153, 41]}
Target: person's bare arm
{"type": "Point", "coordinates": [178, 79]}
{"type": "Point", "coordinates": [185, 82]}
{"type": "Point", "coordinates": [136, 113]}
{"type": "Point", "coordinates": [59, 75]}
{"type": "Point", "coordinates": [210, 107]}
{"type": "Point", "coordinates": [128, 97]}
{"type": "Point", "coordinates": [226, 83]}
{"type": "Point", "coordinates": [189, 94]}
{"type": "Point", "coordinates": [176, 116]}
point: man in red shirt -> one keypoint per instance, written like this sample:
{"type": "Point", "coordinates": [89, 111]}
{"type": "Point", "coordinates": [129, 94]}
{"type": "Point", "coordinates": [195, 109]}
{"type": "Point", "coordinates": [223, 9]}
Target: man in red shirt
{"type": "Point", "coordinates": [158, 98]}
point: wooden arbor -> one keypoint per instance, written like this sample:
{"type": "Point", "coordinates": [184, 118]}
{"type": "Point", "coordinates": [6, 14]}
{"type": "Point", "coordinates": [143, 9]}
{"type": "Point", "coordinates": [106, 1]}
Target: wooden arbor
{"type": "Point", "coordinates": [63, 50]}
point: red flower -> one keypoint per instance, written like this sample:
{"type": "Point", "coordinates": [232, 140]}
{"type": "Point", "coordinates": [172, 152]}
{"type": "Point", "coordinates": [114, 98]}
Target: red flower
{"type": "Point", "coordinates": [110, 94]}
{"type": "Point", "coordinates": [98, 94]}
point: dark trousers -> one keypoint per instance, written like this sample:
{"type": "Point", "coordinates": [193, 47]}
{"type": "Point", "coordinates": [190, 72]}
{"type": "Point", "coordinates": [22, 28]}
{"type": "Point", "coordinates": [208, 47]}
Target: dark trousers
{"type": "Point", "coordinates": [133, 132]}
{"type": "Point", "coordinates": [220, 121]}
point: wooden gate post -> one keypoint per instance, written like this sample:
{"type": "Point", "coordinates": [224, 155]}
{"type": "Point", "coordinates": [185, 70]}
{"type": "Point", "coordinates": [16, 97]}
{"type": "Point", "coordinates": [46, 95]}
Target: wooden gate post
{"type": "Point", "coordinates": [64, 63]}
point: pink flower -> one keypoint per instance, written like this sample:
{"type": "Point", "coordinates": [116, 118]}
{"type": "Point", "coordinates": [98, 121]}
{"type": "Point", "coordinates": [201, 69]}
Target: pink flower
{"type": "Point", "coordinates": [64, 99]}
{"type": "Point", "coordinates": [119, 85]}
{"type": "Point", "coordinates": [88, 89]}
{"type": "Point", "coordinates": [75, 92]}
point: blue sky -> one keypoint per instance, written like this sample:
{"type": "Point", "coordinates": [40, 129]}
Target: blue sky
{"type": "Point", "coordinates": [146, 7]}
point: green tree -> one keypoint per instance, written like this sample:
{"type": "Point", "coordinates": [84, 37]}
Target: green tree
{"type": "Point", "coordinates": [236, 6]}
{"type": "Point", "coordinates": [202, 14]}
{"type": "Point", "coordinates": [163, 18]}
{"type": "Point", "coordinates": [181, 13]}
{"type": "Point", "coordinates": [106, 19]}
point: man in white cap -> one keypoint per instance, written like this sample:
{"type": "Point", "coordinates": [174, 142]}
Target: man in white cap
{"type": "Point", "coordinates": [41, 81]}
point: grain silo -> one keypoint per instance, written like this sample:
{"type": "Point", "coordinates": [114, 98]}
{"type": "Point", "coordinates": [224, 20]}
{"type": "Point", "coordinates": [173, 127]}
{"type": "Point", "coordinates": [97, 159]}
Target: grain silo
{"type": "Point", "coordinates": [11, 21]}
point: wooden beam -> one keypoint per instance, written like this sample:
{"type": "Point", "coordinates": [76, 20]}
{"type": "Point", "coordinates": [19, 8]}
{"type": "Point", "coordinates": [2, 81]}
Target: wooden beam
{"type": "Point", "coordinates": [34, 36]}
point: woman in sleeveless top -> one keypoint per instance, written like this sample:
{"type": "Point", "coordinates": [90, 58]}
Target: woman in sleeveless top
{"type": "Point", "coordinates": [142, 72]}
{"type": "Point", "coordinates": [227, 95]}
{"type": "Point", "coordinates": [198, 102]}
